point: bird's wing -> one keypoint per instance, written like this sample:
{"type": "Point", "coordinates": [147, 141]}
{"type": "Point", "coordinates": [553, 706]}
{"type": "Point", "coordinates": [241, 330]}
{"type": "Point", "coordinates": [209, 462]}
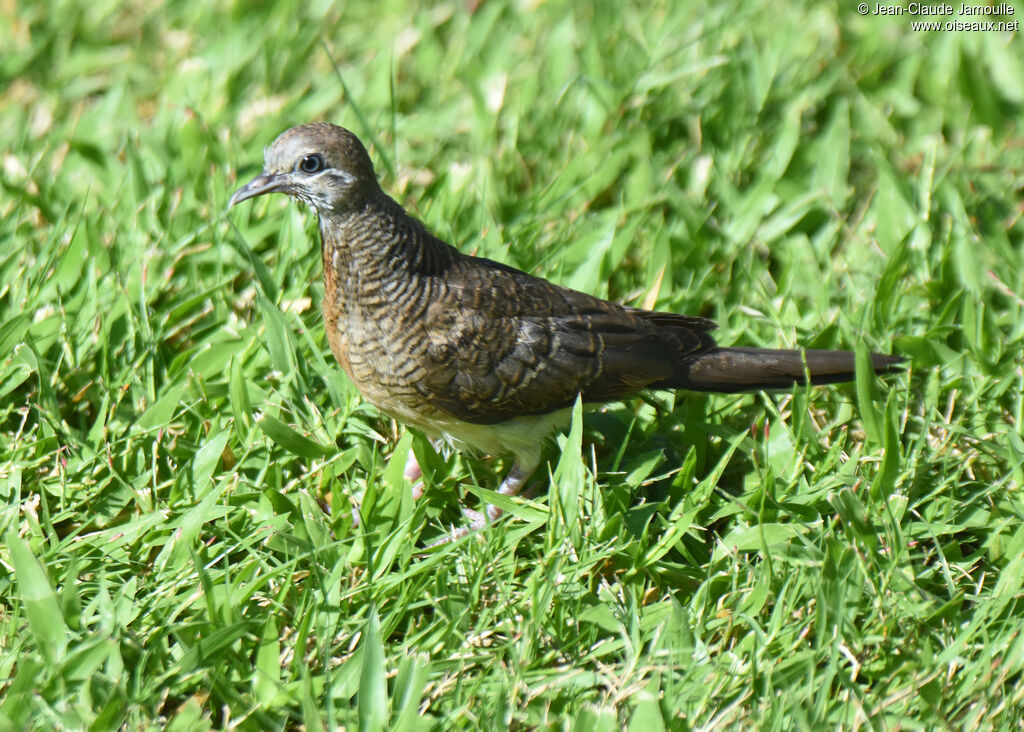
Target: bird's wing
{"type": "Point", "coordinates": [502, 343]}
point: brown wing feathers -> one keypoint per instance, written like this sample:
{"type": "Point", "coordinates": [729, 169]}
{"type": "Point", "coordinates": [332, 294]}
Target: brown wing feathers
{"type": "Point", "coordinates": [515, 344]}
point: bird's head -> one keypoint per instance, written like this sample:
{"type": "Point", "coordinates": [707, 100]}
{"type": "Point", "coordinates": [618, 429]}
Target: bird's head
{"type": "Point", "coordinates": [322, 164]}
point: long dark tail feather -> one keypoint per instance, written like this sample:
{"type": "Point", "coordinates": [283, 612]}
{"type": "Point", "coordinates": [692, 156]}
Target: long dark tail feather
{"type": "Point", "coordinates": [750, 369]}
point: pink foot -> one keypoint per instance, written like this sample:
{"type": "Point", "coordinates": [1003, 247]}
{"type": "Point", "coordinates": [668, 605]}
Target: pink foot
{"type": "Point", "coordinates": [414, 474]}
{"type": "Point", "coordinates": [478, 520]}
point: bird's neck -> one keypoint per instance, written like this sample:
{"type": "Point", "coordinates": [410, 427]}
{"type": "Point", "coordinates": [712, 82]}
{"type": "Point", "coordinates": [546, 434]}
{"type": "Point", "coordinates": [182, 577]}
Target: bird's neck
{"type": "Point", "coordinates": [380, 240]}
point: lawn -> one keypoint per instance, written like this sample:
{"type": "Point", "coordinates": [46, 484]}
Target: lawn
{"type": "Point", "coordinates": [179, 452]}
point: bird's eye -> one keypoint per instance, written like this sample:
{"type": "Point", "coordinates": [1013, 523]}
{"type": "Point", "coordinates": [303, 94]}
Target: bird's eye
{"type": "Point", "coordinates": [312, 163]}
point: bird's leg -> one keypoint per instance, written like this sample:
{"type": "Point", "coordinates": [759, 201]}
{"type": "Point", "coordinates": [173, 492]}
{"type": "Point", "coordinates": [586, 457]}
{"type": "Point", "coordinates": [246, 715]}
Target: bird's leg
{"type": "Point", "coordinates": [525, 463]}
{"type": "Point", "coordinates": [514, 482]}
{"type": "Point", "coordinates": [511, 486]}
{"type": "Point", "coordinates": [414, 474]}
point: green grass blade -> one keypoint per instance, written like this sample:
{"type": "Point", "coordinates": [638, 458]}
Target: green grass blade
{"type": "Point", "coordinates": [39, 601]}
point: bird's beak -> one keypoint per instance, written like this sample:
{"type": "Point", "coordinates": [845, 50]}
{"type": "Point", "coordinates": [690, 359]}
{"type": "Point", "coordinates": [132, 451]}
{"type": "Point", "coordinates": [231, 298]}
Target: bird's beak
{"type": "Point", "coordinates": [263, 183]}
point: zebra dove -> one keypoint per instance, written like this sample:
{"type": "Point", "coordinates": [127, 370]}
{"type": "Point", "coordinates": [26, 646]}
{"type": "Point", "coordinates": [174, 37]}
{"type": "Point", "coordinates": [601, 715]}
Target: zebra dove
{"type": "Point", "coordinates": [484, 354]}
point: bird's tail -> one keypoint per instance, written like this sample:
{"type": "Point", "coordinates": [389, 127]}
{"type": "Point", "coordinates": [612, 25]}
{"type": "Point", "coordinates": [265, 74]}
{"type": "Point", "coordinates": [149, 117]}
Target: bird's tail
{"type": "Point", "coordinates": [750, 369]}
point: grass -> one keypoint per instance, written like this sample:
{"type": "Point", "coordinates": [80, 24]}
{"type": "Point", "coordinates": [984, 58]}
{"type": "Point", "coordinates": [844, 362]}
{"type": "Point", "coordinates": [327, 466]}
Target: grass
{"type": "Point", "coordinates": [172, 425]}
